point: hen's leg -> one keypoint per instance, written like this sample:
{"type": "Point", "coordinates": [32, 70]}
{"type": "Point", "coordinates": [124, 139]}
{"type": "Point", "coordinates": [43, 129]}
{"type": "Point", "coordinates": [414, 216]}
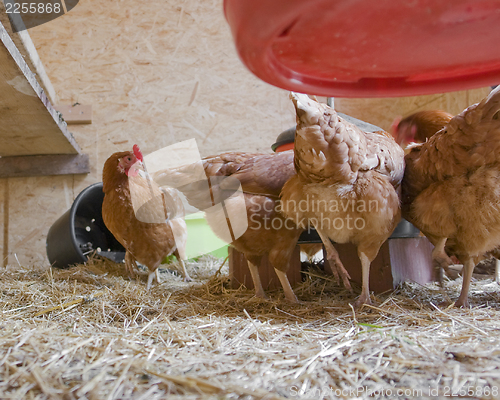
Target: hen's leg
{"type": "Point", "coordinates": [440, 259]}
{"type": "Point", "coordinates": [364, 298]}
{"type": "Point", "coordinates": [157, 275]}
{"type": "Point", "coordinates": [150, 279]}
{"type": "Point", "coordinates": [253, 263]}
{"type": "Point", "coordinates": [366, 255]}
{"type": "Point", "coordinates": [130, 264]}
{"type": "Point", "coordinates": [177, 254]}
{"type": "Point", "coordinates": [287, 288]}
{"type": "Point", "coordinates": [467, 275]}
{"type": "Point", "coordinates": [497, 271]}
{"type": "Point", "coordinates": [334, 260]}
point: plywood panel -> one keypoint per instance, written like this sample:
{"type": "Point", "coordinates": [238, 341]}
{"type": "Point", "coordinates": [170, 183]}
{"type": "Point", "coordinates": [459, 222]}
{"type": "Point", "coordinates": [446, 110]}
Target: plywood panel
{"type": "Point", "coordinates": [29, 124]}
{"type": "Point", "coordinates": [159, 74]}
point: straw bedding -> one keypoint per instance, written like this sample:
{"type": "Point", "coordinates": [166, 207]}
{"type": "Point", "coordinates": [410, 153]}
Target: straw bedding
{"type": "Point", "coordinates": [90, 332]}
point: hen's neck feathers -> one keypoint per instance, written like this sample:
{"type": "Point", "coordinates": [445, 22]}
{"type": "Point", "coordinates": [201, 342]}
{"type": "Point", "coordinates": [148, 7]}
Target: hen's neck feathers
{"type": "Point", "coordinates": [112, 177]}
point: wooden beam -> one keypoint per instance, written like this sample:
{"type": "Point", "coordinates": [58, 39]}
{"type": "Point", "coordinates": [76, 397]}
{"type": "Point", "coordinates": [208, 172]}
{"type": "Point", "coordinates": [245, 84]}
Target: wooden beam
{"type": "Point", "coordinates": [53, 164]}
{"type": "Point", "coordinates": [239, 274]}
{"type": "Point", "coordinates": [29, 124]}
{"type": "Point", "coordinates": [76, 113]}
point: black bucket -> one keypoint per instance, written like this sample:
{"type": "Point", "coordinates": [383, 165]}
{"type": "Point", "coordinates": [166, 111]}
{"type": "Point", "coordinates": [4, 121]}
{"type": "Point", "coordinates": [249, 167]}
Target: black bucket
{"type": "Point", "coordinates": [80, 232]}
{"type": "Point", "coordinates": [405, 230]}
{"type": "Point", "coordinates": [284, 137]}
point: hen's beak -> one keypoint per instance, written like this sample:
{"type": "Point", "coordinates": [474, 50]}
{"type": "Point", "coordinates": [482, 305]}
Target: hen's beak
{"type": "Point", "coordinates": [135, 168]}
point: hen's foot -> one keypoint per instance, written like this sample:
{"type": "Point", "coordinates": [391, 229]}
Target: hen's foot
{"type": "Point", "coordinates": [441, 264]}
{"type": "Point", "coordinates": [287, 288]}
{"type": "Point", "coordinates": [291, 298]}
{"type": "Point", "coordinates": [462, 302]}
{"type": "Point", "coordinates": [185, 274]}
{"type": "Point", "coordinates": [454, 271]}
{"type": "Point", "coordinates": [445, 304]}
{"type": "Point", "coordinates": [439, 272]}
{"type": "Point", "coordinates": [151, 276]}
{"type": "Point", "coordinates": [336, 266]}
{"type": "Point", "coordinates": [260, 297]}
{"type": "Point", "coordinates": [361, 301]}
{"type": "Point", "coordinates": [338, 270]}
{"type": "Point", "coordinates": [440, 260]}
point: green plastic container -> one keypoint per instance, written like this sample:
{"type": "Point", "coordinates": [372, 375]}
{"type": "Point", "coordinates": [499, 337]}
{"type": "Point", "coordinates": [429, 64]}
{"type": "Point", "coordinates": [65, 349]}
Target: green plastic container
{"type": "Point", "coordinates": [201, 239]}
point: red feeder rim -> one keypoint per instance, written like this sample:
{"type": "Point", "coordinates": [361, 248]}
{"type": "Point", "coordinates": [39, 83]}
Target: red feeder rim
{"type": "Point", "coordinates": [366, 48]}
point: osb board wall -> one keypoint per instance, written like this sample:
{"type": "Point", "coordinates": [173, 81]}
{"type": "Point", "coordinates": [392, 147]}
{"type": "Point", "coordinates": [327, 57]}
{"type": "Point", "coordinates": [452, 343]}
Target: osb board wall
{"type": "Point", "coordinates": [156, 73]}
{"type": "Point", "coordinates": [381, 112]}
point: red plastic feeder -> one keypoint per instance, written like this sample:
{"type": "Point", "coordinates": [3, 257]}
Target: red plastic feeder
{"type": "Point", "coordinates": [366, 48]}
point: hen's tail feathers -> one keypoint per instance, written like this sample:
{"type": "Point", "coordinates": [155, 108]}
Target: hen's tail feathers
{"type": "Point", "coordinates": [320, 151]}
{"type": "Point", "coordinates": [331, 149]}
{"type": "Point", "coordinates": [495, 93]}
{"type": "Point", "coordinates": [307, 109]}
{"type": "Point", "coordinates": [492, 105]}
{"type": "Point", "coordinates": [485, 111]}
{"type": "Point", "coordinates": [474, 134]}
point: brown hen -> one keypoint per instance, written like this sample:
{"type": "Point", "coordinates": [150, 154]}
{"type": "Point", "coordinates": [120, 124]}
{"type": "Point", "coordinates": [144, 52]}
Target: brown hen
{"type": "Point", "coordinates": [261, 177]}
{"type": "Point", "coordinates": [145, 241]}
{"type": "Point", "coordinates": [349, 180]}
{"type": "Point", "coordinates": [420, 126]}
{"type": "Point", "coordinates": [451, 188]}
{"type": "Point", "coordinates": [417, 128]}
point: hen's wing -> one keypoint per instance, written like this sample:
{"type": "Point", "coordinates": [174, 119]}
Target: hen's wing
{"type": "Point", "coordinates": [330, 149]}
{"type": "Point", "coordinates": [258, 173]}
{"type": "Point", "coordinates": [205, 183]}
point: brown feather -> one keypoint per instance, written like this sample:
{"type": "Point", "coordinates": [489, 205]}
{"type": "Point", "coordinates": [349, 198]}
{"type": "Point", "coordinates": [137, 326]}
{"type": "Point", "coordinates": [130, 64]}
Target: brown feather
{"type": "Point", "coordinates": [450, 187]}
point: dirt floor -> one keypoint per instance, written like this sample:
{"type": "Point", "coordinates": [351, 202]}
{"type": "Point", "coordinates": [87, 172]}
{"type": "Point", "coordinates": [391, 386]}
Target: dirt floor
{"type": "Point", "coordinates": [90, 332]}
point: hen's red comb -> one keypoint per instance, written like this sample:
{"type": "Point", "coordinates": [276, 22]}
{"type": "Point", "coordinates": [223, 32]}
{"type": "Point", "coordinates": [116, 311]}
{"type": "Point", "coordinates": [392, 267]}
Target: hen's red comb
{"type": "Point", "coordinates": [138, 153]}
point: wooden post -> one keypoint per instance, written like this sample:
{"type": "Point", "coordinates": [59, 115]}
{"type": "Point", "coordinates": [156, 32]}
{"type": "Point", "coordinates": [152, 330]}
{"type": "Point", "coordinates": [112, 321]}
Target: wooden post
{"type": "Point", "coordinates": [240, 274]}
{"type": "Point", "coordinates": [399, 260]}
